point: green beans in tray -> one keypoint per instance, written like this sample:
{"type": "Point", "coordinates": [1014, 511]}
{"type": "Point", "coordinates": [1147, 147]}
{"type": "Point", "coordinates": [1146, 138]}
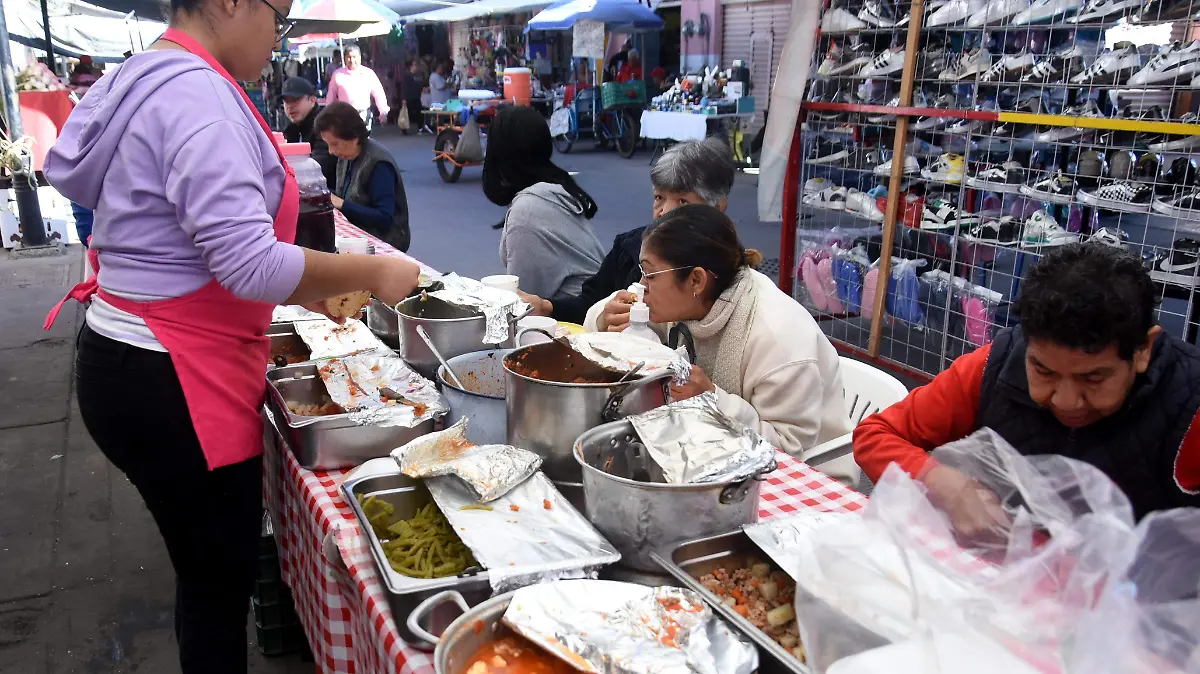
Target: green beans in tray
{"type": "Point", "coordinates": [423, 546]}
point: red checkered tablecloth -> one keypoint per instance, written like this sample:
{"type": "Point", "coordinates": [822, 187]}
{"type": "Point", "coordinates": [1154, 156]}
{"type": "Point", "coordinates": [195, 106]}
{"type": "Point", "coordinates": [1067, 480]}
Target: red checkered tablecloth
{"type": "Point", "coordinates": [342, 227]}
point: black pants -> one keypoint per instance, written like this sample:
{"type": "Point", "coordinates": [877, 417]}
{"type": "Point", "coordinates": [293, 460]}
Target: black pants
{"type": "Point", "coordinates": [133, 406]}
{"type": "Point", "coordinates": [416, 118]}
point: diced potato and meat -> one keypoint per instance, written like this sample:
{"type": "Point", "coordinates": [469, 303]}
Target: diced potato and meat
{"type": "Point", "coordinates": [762, 596]}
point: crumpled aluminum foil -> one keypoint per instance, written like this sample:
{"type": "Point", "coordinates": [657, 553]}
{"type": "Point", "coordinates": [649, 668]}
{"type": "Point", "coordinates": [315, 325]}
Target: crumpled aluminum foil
{"type": "Point", "coordinates": [294, 312]}
{"type": "Point", "coordinates": [622, 628]}
{"type": "Point", "coordinates": [788, 540]}
{"type": "Point", "coordinates": [530, 535]}
{"type": "Point", "coordinates": [326, 339]}
{"type": "Point", "coordinates": [618, 352]}
{"type": "Point", "coordinates": [354, 382]}
{"type": "Point", "coordinates": [499, 307]}
{"type": "Point", "coordinates": [491, 470]}
{"type": "Point", "coordinates": [693, 442]}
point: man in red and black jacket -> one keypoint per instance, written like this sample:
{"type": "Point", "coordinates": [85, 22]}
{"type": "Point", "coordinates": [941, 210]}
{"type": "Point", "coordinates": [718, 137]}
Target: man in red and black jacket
{"type": "Point", "coordinates": [1087, 374]}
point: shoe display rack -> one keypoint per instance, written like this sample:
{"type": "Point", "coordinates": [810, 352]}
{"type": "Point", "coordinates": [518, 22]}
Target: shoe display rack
{"type": "Point", "coordinates": [945, 145]}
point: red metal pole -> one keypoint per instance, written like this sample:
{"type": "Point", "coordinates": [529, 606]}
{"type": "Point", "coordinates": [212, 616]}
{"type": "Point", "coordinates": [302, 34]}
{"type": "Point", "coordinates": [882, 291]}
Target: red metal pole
{"type": "Point", "coordinates": [791, 213]}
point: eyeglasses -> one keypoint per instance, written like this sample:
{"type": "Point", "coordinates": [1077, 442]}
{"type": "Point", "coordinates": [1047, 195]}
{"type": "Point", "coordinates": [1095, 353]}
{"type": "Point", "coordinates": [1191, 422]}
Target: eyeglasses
{"type": "Point", "coordinates": [646, 274]}
{"type": "Point", "coordinates": [283, 25]}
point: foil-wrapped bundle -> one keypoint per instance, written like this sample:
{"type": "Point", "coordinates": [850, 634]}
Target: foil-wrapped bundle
{"type": "Point", "coordinates": [381, 390]}
{"type": "Point", "coordinates": [498, 307]}
{"type": "Point", "coordinates": [608, 627]}
{"type": "Point", "coordinates": [692, 441]}
{"type": "Point", "coordinates": [326, 339]}
{"type": "Point", "coordinates": [287, 313]}
{"type": "Point", "coordinates": [618, 352]}
{"type": "Point", "coordinates": [490, 470]}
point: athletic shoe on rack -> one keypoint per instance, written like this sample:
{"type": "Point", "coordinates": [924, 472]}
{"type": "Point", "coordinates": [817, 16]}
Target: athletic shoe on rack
{"type": "Point", "coordinates": [967, 126]}
{"type": "Point", "coordinates": [1180, 175]}
{"type": "Point", "coordinates": [829, 152]}
{"type": "Point", "coordinates": [1042, 230]}
{"type": "Point", "coordinates": [838, 20]}
{"type": "Point", "coordinates": [1112, 67]}
{"type": "Point", "coordinates": [912, 208]}
{"type": "Point", "coordinates": [1185, 205]}
{"type": "Point", "coordinates": [1058, 134]}
{"type": "Point", "coordinates": [1045, 10]}
{"type": "Point", "coordinates": [843, 129]}
{"type": "Point", "coordinates": [1119, 195]}
{"type": "Point", "coordinates": [884, 64]}
{"type": "Point", "coordinates": [843, 60]}
{"type": "Point", "coordinates": [948, 168]}
{"type": "Point", "coordinates": [1180, 266]}
{"type": "Point", "coordinates": [1137, 138]}
{"type": "Point", "coordinates": [832, 198]}
{"type": "Point", "coordinates": [1008, 68]}
{"type": "Point", "coordinates": [967, 65]}
{"type": "Point", "coordinates": [864, 205]}
{"type": "Point", "coordinates": [955, 12]}
{"type": "Point", "coordinates": [911, 166]}
{"type": "Point", "coordinates": [942, 214]}
{"type": "Point", "coordinates": [1056, 188]}
{"type": "Point", "coordinates": [1155, 11]}
{"type": "Point", "coordinates": [1096, 10]}
{"type": "Point", "coordinates": [1090, 167]}
{"type": "Point", "coordinates": [1147, 169]}
{"type": "Point", "coordinates": [1056, 68]}
{"type": "Point", "coordinates": [1179, 143]}
{"type": "Point", "coordinates": [930, 64]}
{"type": "Point", "coordinates": [1174, 62]}
{"type": "Point", "coordinates": [997, 12]}
{"type": "Point", "coordinates": [919, 148]}
{"type": "Point", "coordinates": [1120, 165]}
{"type": "Point", "coordinates": [1006, 177]}
{"type": "Point", "coordinates": [878, 13]}
{"type": "Point", "coordinates": [1003, 232]}
{"type": "Point", "coordinates": [844, 96]}
{"type": "Point", "coordinates": [1110, 236]}
{"type": "Point", "coordinates": [880, 118]}
{"type": "Point", "coordinates": [815, 185]}
{"type": "Point", "coordinates": [931, 122]}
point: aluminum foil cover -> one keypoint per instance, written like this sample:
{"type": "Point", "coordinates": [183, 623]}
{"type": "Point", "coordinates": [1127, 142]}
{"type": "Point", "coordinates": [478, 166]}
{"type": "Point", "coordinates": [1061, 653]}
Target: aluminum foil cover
{"type": "Point", "coordinates": [788, 540]}
{"type": "Point", "coordinates": [692, 442]}
{"type": "Point", "coordinates": [622, 628]}
{"type": "Point", "coordinates": [294, 312]}
{"type": "Point", "coordinates": [354, 382]}
{"type": "Point", "coordinates": [530, 535]}
{"type": "Point", "coordinates": [326, 339]}
{"type": "Point", "coordinates": [498, 306]}
{"type": "Point", "coordinates": [491, 470]}
{"type": "Point", "coordinates": [619, 352]}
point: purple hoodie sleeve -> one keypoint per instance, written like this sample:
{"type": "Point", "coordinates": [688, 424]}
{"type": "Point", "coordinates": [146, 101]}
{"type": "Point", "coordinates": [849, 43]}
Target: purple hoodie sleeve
{"type": "Point", "coordinates": [221, 205]}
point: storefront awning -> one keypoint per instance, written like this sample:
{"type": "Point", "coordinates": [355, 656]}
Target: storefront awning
{"type": "Point", "coordinates": [79, 28]}
{"type": "Point", "coordinates": [472, 10]}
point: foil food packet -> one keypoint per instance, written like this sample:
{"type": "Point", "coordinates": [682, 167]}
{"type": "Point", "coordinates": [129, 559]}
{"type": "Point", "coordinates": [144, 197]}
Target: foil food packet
{"type": "Point", "coordinates": [692, 441]}
{"type": "Point", "coordinates": [618, 352]}
{"type": "Point", "coordinates": [381, 390]}
{"type": "Point", "coordinates": [499, 307]}
{"type": "Point", "coordinates": [490, 470]}
{"type": "Point", "coordinates": [609, 627]}
{"type": "Point", "coordinates": [326, 339]}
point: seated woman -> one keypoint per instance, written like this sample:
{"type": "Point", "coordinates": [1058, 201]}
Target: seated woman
{"type": "Point", "coordinates": [368, 190]}
{"type": "Point", "coordinates": [547, 240]}
{"type": "Point", "coordinates": [771, 366]}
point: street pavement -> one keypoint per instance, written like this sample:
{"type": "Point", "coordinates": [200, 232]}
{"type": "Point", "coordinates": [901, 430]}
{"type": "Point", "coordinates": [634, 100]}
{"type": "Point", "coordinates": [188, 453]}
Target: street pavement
{"type": "Point", "coordinates": [87, 586]}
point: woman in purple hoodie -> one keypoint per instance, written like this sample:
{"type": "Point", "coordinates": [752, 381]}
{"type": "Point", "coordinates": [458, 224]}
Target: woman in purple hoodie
{"type": "Point", "coordinates": [195, 212]}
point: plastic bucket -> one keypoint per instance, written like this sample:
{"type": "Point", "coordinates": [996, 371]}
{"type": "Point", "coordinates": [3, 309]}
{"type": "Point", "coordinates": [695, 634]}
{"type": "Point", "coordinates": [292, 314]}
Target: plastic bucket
{"type": "Point", "coordinates": [518, 86]}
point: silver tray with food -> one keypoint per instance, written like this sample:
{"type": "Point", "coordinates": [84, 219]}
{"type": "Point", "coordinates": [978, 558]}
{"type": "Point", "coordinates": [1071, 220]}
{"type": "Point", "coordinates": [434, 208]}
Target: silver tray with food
{"type": "Point", "coordinates": [287, 348]}
{"type": "Point", "coordinates": [320, 432]}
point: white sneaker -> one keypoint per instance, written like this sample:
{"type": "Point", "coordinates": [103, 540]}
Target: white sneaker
{"type": "Point", "coordinates": [1173, 62]}
{"type": "Point", "coordinates": [1175, 143]}
{"type": "Point", "coordinates": [911, 166]}
{"type": "Point", "coordinates": [997, 12]}
{"type": "Point", "coordinates": [1096, 10]}
{"type": "Point", "coordinates": [1042, 230]}
{"type": "Point", "coordinates": [948, 168]}
{"type": "Point", "coordinates": [941, 214]}
{"type": "Point", "coordinates": [863, 204]}
{"type": "Point", "coordinates": [815, 185]}
{"type": "Point", "coordinates": [1044, 10]}
{"type": "Point", "coordinates": [967, 65]}
{"type": "Point", "coordinates": [831, 199]}
{"type": "Point", "coordinates": [838, 20]}
{"type": "Point", "coordinates": [956, 11]}
{"type": "Point", "coordinates": [1113, 67]}
{"type": "Point", "coordinates": [1110, 236]}
{"type": "Point", "coordinates": [878, 13]}
{"type": "Point", "coordinates": [1008, 68]}
{"type": "Point", "coordinates": [1061, 133]}
{"type": "Point", "coordinates": [1120, 195]}
{"type": "Point", "coordinates": [886, 63]}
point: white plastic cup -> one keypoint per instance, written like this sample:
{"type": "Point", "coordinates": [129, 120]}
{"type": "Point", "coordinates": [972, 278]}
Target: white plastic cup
{"type": "Point", "coordinates": [502, 282]}
{"type": "Point", "coordinates": [544, 322]}
{"type": "Point", "coordinates": [349, 244]}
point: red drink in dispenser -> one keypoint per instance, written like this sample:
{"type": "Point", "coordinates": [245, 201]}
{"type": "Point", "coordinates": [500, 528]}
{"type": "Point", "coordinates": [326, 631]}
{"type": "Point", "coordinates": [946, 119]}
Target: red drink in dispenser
{"type": "Point", "coordinates": [314, 227]}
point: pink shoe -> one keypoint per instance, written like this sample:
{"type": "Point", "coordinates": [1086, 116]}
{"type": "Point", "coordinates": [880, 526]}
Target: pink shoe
{"type": "Point", "coordinates": [870, 283]}
{"type": "Point", "coordinates": [978, 322]}
{"type": "Point", "coordinates": [828, 287]}
{"type": "Point", "coordinates": [816, 294]}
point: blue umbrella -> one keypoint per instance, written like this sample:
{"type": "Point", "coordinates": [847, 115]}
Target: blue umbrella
{"type": "Point", "coordinates": [624, 16]}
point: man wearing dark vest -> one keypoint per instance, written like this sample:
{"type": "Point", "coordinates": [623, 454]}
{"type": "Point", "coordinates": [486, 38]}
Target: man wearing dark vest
{"type": "Point", "coordinates": [1087, 374]}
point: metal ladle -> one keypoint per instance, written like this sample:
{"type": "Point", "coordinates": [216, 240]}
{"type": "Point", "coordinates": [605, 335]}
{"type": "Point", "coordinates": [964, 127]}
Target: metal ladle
{"type": "Point", "coordinates": [429, 342]}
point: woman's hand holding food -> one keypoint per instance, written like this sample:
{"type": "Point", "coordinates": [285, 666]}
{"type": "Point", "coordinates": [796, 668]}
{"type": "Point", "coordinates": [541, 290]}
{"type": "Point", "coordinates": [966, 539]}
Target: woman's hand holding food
{"type": "Point", "coordinates": [616, 313]}
{"type": "Point", "coordinates": [697, 383]}
{"type": "Point", "coordinates": [974, 510]}
{"type": "Point", "coordinates": [541, 307]}
{"type": "Point", "coordinates": [337, 201]}
{"type": "Point", "coordinates": [396, 279]}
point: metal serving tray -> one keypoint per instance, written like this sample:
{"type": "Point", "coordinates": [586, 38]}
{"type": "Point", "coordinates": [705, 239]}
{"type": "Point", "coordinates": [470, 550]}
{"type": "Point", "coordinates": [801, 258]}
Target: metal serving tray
{"type": "Point", "coordinates": [283, 337]}
{"type": "Point", "coordinates": [407, 496]}
{"type": "Point", "coordinates": [329, 442]}
{"type": "Point", "coordinates": [689, 560]}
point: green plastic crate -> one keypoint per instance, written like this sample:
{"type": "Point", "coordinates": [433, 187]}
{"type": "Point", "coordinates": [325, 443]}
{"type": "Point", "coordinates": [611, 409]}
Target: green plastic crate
{"type": "Point", "coordinates": [613, 94]}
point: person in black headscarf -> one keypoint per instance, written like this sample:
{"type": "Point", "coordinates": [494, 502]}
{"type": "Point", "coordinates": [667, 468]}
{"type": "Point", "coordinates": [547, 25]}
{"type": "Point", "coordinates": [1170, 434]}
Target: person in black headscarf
{"type": "Point", "coordinates": [547, 240]}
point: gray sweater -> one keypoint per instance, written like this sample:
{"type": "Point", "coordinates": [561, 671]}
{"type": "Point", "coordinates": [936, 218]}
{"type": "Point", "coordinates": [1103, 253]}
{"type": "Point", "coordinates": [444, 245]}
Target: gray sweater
{"type": "Point", "coordinates": [548, 242]}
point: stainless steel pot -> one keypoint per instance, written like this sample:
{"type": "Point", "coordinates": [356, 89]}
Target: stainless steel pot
{"type": "Point", "coordinates": [466, 635]}
{"type": "Point", "coordinates": [383, 321]}
{"type": "Point", "coordinates": [482, 401]}
{"type": "Point", "coordinates": [454, 330]}
{"type": "Point", "coordinates": [638, 516]}
{"type": "Point", "coordinates": [547, 411]}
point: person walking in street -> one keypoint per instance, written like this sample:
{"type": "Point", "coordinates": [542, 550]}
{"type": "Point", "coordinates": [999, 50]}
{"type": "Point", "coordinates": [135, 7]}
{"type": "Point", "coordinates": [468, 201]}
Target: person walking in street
{"type": "Point", "coordinates": [439, 86]}
{"type": "Point", "coordinates": [195, 214]}
{"type": "Point", "coordinates": [410, 90]}
{"type": "Point", "coordinates": [300, 106]}
{"type": "Point", "coordinates": [368, 188]}
{"type": "Point", "coordinates": [358, 85]}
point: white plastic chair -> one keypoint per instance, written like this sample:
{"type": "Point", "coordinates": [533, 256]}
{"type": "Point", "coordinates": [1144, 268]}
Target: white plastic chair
{"type": "Point", "coordinates": [867, 390]}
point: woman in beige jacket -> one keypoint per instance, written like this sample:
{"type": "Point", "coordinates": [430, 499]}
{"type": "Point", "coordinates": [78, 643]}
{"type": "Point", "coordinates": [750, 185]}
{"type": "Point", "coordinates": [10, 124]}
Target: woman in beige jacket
{"type": "Point", "coordinates": [771, 366]}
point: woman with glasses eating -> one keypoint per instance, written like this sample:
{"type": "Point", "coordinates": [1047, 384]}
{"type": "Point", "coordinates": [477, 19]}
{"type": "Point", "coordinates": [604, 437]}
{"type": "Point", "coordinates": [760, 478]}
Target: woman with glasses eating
{"type": "Point", "coordinates": [761, 352]}
{"type": "Point", "coordinates": [195, 214]}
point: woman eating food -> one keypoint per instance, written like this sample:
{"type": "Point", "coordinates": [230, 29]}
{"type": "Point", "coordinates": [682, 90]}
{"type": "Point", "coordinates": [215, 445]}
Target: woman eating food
{"type": "Point", "coordinates": [195, 211]}
{"type": "Point", "coordinates": [761, 352]}
{"type": "Point", "coordinates": [368, 189]}
{"type": "Point", "coordinates": [547, 240]}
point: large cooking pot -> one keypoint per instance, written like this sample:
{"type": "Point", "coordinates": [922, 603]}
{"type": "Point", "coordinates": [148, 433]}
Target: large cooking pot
{"type": "Point", "coordinates": [466, 635]}
{"type": "Point", "coordinates": [382, 320]}
{"type": "Point", "coordinates": [482, 401]}
{"type": "Point", "coordinates": [639, 515]}
{"type": "Point", "coordinates": [548, 409]}
{"type": "Point", "coordinates": [454, 330]}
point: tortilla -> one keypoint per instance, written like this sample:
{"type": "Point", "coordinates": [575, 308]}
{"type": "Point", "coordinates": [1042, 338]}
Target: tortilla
{"type": "Point", "coordinates": [350, 304]}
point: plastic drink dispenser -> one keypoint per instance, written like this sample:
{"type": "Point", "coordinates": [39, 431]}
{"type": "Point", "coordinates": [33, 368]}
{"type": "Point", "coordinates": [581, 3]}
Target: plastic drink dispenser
{"type": "Point", "coordinates": [518, 85]}
{"type": "Point", "coordinates": [314, 228]}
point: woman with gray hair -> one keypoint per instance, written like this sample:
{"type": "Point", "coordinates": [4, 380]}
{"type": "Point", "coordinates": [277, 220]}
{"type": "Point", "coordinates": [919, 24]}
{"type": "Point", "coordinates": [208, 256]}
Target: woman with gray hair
{"type": "Point", "coordinates": [691, 172]}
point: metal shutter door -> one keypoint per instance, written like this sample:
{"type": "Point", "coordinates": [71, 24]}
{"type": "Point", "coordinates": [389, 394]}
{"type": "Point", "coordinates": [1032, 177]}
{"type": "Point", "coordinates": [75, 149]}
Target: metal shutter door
{"type": "Point", "coordinates": [755, 32]}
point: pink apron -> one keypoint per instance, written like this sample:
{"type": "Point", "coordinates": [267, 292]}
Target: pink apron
{"type": "Point", "coordinates": [216, 341]}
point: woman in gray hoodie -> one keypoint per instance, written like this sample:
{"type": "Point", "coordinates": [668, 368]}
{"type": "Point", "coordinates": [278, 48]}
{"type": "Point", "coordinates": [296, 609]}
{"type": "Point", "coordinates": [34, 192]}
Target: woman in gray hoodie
{"type": "Point", "coordinates": [547, 240]}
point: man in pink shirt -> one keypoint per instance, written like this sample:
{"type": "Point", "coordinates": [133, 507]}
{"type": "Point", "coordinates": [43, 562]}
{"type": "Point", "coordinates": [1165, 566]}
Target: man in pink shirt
{"type": "Point", "coordinates": [357, 85]}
